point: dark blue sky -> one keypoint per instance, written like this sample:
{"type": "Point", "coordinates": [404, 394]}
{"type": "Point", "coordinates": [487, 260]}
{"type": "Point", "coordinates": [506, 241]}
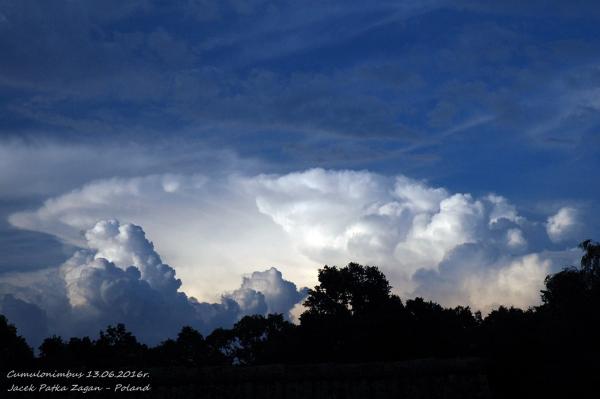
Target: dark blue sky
{"type": "Point", "coordinates": [474, 97]}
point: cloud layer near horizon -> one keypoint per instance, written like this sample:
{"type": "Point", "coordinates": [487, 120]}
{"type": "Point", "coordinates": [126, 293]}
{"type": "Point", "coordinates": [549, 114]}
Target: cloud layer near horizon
{"type": "Point", "coordinates": [450, 247]}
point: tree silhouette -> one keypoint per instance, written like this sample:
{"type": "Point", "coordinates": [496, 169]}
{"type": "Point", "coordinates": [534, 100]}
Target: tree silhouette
{"type": "Point", "coordinates": [223, 343]}
{"type": "Point", "coordinates": [550, 350]}
{"type": "Point", "coordinates": [438, 331]}
{"type": "Point", "coordinates": [263, 340]}
{"type": "Point", "coordinates": [570, 310]}
{"type": "Point", "coordinates": [351, 290]}
{"type": "Point", "coordinates": [352, 316]}
{"type": "Point", "coordinates": [80, 351]}
{"type": "Point", "coordinates": [255, 340]}
{"type": "Point", "coordinates": [193, 350]}
{"type": "Point", "coordinates": [117, 346]}
{"type": "Point", "coordinates": [190, 349]}
{"type": "Point", "coordinates": [590, 262]}
{"type": "Point", "coordinates": [574, 288]}
{"type": "Point", "coordinates": [53, 352]}
{"type": "Point", "coordinates": [14, 350]}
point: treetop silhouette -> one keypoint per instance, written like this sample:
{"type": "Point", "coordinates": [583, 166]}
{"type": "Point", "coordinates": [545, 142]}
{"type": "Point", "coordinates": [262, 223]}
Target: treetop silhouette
{"type": "Point", "coordinates": [352, 316]}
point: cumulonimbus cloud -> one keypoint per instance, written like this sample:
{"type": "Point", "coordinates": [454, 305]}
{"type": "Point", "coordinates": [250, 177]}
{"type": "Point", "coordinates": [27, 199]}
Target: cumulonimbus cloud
{"type": "Point", "coordinates": [119, 277]}
{"type": "Point", "coordinates": [477, 251]}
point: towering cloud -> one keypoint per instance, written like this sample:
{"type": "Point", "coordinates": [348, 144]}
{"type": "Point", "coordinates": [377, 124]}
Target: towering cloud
{"type": "Point", "coordinates": [280, 296]}
{"type": "Point", "coordinates": [120, 277]}
{"type": "Point", "coordinates": [484, 277]}
{"type": "Point", "coordinates": [450, 247]}
{"type": "Point", "coordinates": [127, 245]}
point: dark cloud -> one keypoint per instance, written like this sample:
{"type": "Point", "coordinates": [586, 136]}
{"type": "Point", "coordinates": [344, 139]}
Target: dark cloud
{"type": "Point", "coordinates": [27, 250]}
{"type": "Point", "coordinates": [30, 319]}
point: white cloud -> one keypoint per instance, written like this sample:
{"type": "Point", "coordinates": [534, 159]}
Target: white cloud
{"type": "Point", "coordinates": [102, 293]}
{"type": "Point", "coordinates": [279, 295]}
{"type": "Point", "coordinates": [219, 227]}
{"type": "Point", "coordinates": [205, 227]}
{"type": "Point", "coordinates": [458, 221]}
{"type": "Point", "coordinates": [502, 209]}
{"type": "Point", "coordinates": [484, 277]}
{"type": "Point", "coordinates": [563, 225]}
{"type": "Point", "coordinates": [119, 277]}
{"type": "Point", "coordinates": [60, 167]}
{"type": "Point", "coordinates": [126, 245]}
{"type": "Point", "coordinates": [515, 239]}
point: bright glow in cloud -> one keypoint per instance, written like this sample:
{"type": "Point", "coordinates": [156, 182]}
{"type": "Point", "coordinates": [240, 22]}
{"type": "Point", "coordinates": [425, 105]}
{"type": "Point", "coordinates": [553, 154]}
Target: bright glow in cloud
{"type": "Point", "coordinates": [515, 238]}
{"type": "Point", "coordinates": [205, 227]}
{"type": "Point", "coordinates": [485, 278]}
{"type": "Point", "coordinates": [126, 245]}
{"type": "Point", "coordinates": [121, 278]}
{"type": "Point", "coordinates": [222, 227]}
{"type": "Point", "coordinates": [563, 224]}
{"type": "Point", "coordinates": [279, 295]}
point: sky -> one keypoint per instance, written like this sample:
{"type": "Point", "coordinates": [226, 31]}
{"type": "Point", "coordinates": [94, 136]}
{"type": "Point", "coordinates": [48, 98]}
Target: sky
{"type": "Point", "coordinates": [206, 158]}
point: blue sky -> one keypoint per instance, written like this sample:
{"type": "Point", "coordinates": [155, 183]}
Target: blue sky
{"type": "Point", "coordinates": [473, 97]}
{"type": "Point", "coordinates": [434, 90]}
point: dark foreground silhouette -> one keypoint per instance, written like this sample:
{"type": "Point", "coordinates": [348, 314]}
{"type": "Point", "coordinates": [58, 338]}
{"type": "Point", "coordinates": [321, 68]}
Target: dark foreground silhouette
{"type": "Point", "coordinates": [354, 328]}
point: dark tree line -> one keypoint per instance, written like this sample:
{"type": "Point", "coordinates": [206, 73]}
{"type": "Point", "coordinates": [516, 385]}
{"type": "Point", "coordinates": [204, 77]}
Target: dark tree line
{"type": "Point", "coordinates": [352, 316]}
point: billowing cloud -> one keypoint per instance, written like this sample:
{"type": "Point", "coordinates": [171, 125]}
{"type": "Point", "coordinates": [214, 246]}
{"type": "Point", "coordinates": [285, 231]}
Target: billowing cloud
{"type": "Point", "coordinates": [205, 226]}
{"type": "Point", "coordinates": [300, 221]}
{"type": "Point", "coordinates": [127, 245]}
{"type": "Point", "coordinates": [485, 277]}
{"type": "Point", "coordinates": [563, 224]}
{"type": "Point", "coordinates": [119, 277]}
{"type": "Point", "coordinates": [279, 295]}
{"type": "Point", "coordinates": [402, 225]}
